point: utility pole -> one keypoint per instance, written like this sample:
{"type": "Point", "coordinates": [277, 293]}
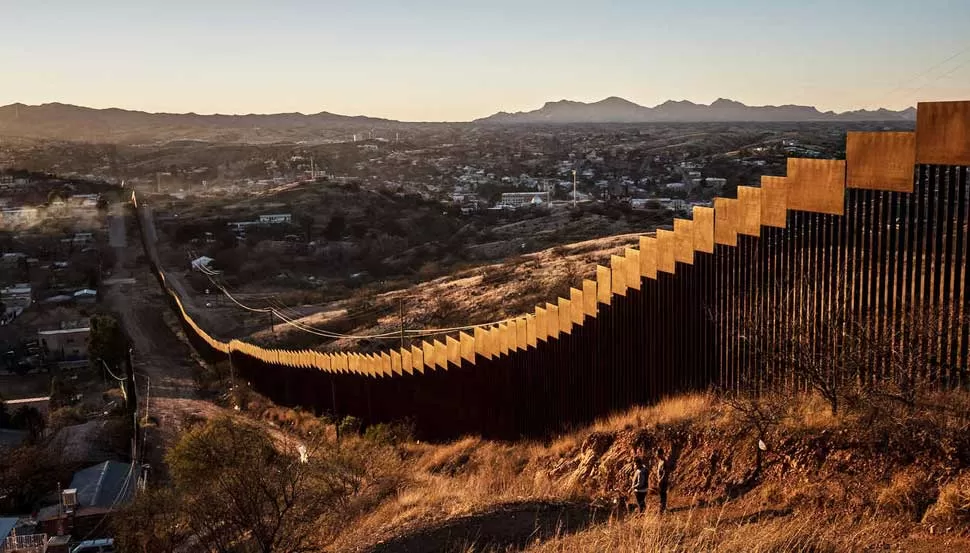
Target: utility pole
{"type": "Point", "coordinates": [232, 382]}
{"type": "Point", "coordinates": [574, 188]}
{"type": "Point", "coordinates": [401, 303]}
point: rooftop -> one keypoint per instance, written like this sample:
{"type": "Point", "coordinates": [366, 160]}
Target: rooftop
{"type": "Point", "coordinates": [105, 485]}
{"type": "Point", "coordinates": [64, 331]}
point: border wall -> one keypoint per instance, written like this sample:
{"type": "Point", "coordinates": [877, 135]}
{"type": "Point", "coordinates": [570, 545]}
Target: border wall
{"type": "Point", "coordinates": [872, 249]}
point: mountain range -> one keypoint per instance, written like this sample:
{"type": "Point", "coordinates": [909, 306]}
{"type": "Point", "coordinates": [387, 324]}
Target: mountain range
{"type": "Point", "coordinates": [69, 122]}
{"type": "Point", "coordinates": [619, 110]}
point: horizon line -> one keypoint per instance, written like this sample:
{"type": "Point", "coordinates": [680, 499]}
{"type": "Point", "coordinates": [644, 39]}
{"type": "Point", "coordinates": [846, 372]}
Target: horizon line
{"type": "Point", "coordinates": [500, 111]}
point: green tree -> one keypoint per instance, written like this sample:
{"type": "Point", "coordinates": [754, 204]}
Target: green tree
{"type": "Point", "coordinates": [107, 342]}
{"type": "Point", "coordinates": [305, 221]}
{"type": "Point", "coordinates": [26, 475]}
{"type": "Point", "coordinates": [151, 524]}
{"type": "Point", "coordinates": [234, 484]}
{"type": "Point", "coordinates": [54, 195]}
{"type": "Point", "coordinates": [335, 228]}
{"type": "Point", "coordinates": [29, 419]}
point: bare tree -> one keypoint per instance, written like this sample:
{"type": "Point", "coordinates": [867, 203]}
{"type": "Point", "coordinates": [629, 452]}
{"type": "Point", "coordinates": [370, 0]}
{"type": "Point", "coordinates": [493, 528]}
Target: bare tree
{"type": "Point", "coordinates": [832, 348]}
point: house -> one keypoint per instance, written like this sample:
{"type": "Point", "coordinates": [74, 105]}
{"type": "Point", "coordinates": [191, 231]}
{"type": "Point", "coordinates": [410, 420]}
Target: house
{"type": "Point", "coordinates": [94, 493]}
{"type": "Point", "coordinates": [241, 226]}
{"type": "Point", "coordinates": [9, 181]}
{"type": "Point", "coordinates": [83, 238]}
{"type": "Point", "coordinates": [18, 295]}
{"type": "Point", "coordinates": [84, 201]}
{"type": "Point", "coordinates": [13, 258]}
{"type": "Point", "coordinates": [275, 219]}
{"type": "Point", "coordinates": [41, 404]}
{"type": "Point", "coordinates": [19, 214]}
{"type": "Point", "coordinates": [68, 343]}
{"type": "Point", "coordinates": [14, 539]}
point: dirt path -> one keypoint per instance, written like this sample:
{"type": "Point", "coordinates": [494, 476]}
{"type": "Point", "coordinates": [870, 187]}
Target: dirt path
{"type": "Point", "coordinates": [163, 363]}
{"type": "Point", "coordinates": [505, 527]}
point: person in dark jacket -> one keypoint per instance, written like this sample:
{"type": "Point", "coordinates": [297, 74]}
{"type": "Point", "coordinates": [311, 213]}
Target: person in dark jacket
{"type": "Point", "coordinates": [663, 479]}
{"type": "Point", "coordinates": [641, 478]}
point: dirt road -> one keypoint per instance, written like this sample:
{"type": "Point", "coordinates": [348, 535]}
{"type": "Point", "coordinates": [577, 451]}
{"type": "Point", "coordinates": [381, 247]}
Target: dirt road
{"type": "Point", "coordinates": [163, 362]}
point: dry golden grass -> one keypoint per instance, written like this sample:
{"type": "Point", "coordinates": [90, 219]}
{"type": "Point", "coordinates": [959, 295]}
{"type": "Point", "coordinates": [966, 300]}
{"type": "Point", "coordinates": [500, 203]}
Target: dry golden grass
{"type": "Point", "coordinates": [715, 531]}
{"type": "Point", "coordinates": [669, 411]}
{"type": "Point", "coordinates": [953, 506]}
{"type": "Point", "coordinates": [514, 288]}
{"type": "Point", "coordinates": [909, 494]}
{"type": "Point", "coordinates": [457, 479]}
{"type": "Point", "coordinates": [823, 486]}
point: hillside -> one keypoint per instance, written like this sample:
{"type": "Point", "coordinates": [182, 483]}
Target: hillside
{"type": "Point", "coordinates": [476, 295]}
{"type": "Point", "coordinates": [879, 476]}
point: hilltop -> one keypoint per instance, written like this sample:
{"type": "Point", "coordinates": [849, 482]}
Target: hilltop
{"type": "Point", "coordinates": [879, 476]}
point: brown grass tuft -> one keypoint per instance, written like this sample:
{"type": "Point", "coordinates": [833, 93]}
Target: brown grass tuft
{"type": "Point", "coordinates": [909, 494]}
{"type": "Point", "coordinates": [952, 509]}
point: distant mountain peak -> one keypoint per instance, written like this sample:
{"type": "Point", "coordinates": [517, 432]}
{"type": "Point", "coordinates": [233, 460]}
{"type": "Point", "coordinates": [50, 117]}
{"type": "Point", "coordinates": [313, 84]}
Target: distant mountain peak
{"type": "Point", "coordinates": [677, 103]}
{"type": "Point", "coordinates": [724, 103]}
{"type": "Point", "coordinates": [619, 110]}
{"type": "Point", "coordinates": [616, 101]}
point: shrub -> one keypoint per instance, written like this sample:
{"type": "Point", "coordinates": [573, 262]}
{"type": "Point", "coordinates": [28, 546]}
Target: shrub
{"type": "Point", "coordinates": [395, 433]}
{"type": "Point", "coordinates": [909, 493]}
{"type": "Point", "coordinates": [952, 508]}
{"type": "Point", "coordinates": [65, 416]}
{"type": "Point", "coordinates": [350, 425]}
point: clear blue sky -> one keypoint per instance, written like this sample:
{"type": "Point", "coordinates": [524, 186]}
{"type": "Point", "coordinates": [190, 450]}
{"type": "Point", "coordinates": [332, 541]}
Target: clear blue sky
{"type": "Point", "coordinates": [458, 60]}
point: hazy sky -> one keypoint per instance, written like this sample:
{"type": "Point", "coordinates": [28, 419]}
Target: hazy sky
{"type": "Point", "coordinates": [458, 60]}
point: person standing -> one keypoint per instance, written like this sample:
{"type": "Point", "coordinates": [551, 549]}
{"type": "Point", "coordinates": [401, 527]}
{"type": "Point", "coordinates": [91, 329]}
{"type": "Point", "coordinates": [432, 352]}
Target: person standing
{"type": "Point", "coordinates": [641, 478]}
{"type": "Point", "coordinates": [663, 479]}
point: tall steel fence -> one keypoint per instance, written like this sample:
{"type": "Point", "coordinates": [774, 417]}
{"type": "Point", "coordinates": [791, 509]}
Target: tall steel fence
{"type": "Point", "coordinates": [848, 270]}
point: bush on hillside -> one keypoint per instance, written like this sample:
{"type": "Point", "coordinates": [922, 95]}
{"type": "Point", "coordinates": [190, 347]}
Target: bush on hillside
{"type": "Point", "coordinates": [909, 494]}
{"type": "Point", "coordinates": [350, 425]}
{"type": "Point", "coordinates": [952, 508]}
{"type": "Point", "coordinates": [395, 433]}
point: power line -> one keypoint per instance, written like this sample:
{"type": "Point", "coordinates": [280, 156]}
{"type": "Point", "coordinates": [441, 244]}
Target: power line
{"type": "Point", "coordinates": [293, 322]}
{"type": "Point", "coordinates": [902, 85]}
{"type": "Point", "coordinates": [111, 373]}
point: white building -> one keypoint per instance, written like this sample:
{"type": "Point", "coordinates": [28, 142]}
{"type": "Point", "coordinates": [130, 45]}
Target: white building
{"type": "Point", "coordinates": [67, 343]}
{"type": "Point", "coordinates": [275, 219]}
{"type": "Point", "coordinates": [518, 199]}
